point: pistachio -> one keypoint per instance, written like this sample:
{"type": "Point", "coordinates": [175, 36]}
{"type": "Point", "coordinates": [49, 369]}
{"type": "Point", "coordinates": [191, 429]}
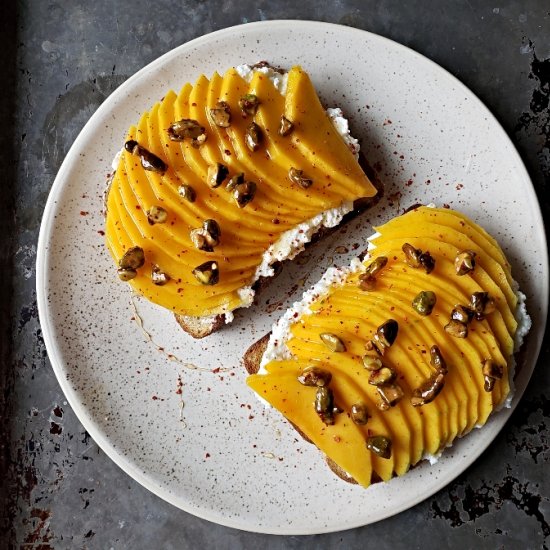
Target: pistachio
{"type": "Point", "coordinates": [198, 141]}
{"type": "Point", "coordinates": [216, 174]}
{"type": "Point", "coordinates": [437, 361]}
{"type": "Point", "coordinates": [156, 214]}
{"type": "Point", "coordinates": [465, 262]}
{"type": "Point", "coordinates": [456, 329]}
{"type": "Point", "coordinates": [379, 445]}
{"type": "Point", "coordinates": [207, 273]}
{"type": "Point", "coordinates": [385, 335]}
{"type": "Point", "coordinates": [488, 383]}
{"type": "Point", "coordinates": [377, 265]}
{"type": "Point", "coordinates": [382, 404]}
{"type": "Point", "coordinates": [315, 376]}
{"type": "Point", "coordinates": [381, 376]}
{"type": "Point", "coordinates": [424, 302]}
{"type": "Point", "coordinates": [187, 192]}
{"type": "Point", "coordinates": [186, 128]}
{"type": "Point", "coordinates": [359, 414]}
{"type": "Point", "coordinates": [234, 181]}
{"type": "Point", "coordinates": [462, 314]}
{"type": "Point", "coordinates": [367, 280]}
{"type": "Point", "coordinates": [491, 373]}
{"type": "Point", "coordinates": [412, 255]}
{"type": "Point", "coordinates": [158, 276]}
{"type": "Point", "coordinates": [249, 104]}
{"type": "Point", "coordinates": [332, 342]}
{"type": "Point", "coordinates": [297, 176]}
{"type": "Point", "coordinates": [427, 262]}
{"type": "Point", "coordinates": [149, 161]}
{"type": "Point", "coordinates": [206, 237]}
{"type": "Point", "coordinates": [481, 304]}
{"type": "Point", "coordinates": [428, 390]}
{"type": "Point", "coordinates": [390, 393]}
{"type": "Point", "coordinates": [126, 273]}
{"type": "Point", "coordinates": [324, 404]}
{"type": "Point", "coordinates": [286, 127]}
{"type": "Point", "coordinates": [243, 193]}
{"type": "Point", "coordinates": [372, 362]}
{"type": "Point", "coordinates": [133, 258]}
{"type": "Point", "coordinates": [253, 137]}
{"type": "Point", "coordinates": [221, 114]}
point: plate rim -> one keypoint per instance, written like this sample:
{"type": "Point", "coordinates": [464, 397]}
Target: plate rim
{"type": "Point", "coordinates": [43, 263]}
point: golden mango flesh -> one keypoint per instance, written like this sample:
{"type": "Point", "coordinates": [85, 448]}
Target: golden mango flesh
{"type": "Point", "coordinates": [278, 205]}
{"type": "Point", "coordinates": [354, 315]}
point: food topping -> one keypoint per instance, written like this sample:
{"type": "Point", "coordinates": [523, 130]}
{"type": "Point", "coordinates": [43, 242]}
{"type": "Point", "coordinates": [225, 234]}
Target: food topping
{"type": "Point", "coordinates": [481, 304]}
{"type": "Point", "coordinates": [462, 314]}
{"type": "Point", "coordinates": [379, 445]}
{"type": "Point", "coordinates": [149, 161]}
{"type": "Point", "coordinates": [243, 193]}
{"type": "Point", "coordinates": [315, 376]}
{"type": "Point", "coordinates": [156, 214]}
{"type": "Point", "coordinates": [424, 302]}
{"type": "Point", "coordinates": [332, 342]}
{"type": "Point", "coordinates": [217, 174]}
{"type": "Point", "coordinates": [382, 376]}
{"type": "Point", "coordinates": [456, 329]}
{"type": "Point", "coordinates": [186, 128]}
{"type": "Point", "coordinates": [221, 114]}
{"type": "Point", "coordinates": [324, 404]}
{"type": "Point", "coordinates": [491, 373]}
{"type": "Point", "coordinates": [187, 192]}
{"type": "Point", "coordinates": [158, 276]}
{"type": "Point", "coordinates": [234, 181]}
{"type": "Point", "coordinates": [372, 362]}
{"type": "Point", "coordinates": [359, 413]}
{"type": "Point", "coordinates": [286, 127]}
{"type": "Point", "coordinates": [253, 137]}
{"type": "Point", "coordinates": [385, 335]}
{"type": "Point", "coordinates": [428, 391]}
{"type": "Point", "coordinates": [131, 261]}
{"type": "Point", "coordinates": [297, 176]}
{"type": "Point", "coordinates": [207, 273]}
{"type": "Point", "coordinates": [465, 262]}
{"type": "Point", "coordinates": [367, 280]}
{"type": "Point", "coordinates": [207, 237]}
{"type": "Point", "coordinates": [390, 393]}
{"type": "Point", "coordinates": [249, 104]}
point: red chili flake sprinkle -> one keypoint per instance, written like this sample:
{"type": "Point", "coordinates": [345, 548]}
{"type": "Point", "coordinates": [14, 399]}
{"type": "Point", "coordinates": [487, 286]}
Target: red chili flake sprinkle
{"type": "Point", "coordinates": [216, 370]}
{"type": "Point", "coordinates": [228, 152]}
{"type": "Point", "coordinates": [155, 398]}
{"type": "Point", "coordinates": [138, 207]}
{"type": "Point", "coordinates": [337, 438]}
{"type": "Point", "coordinates": [250, 417]}
{"type": "Point", "coordinates": [445, 205]}
{"type": "Point", "coordinates": [84, 213]}
{"type": "Point", "coordinates": [459, 186]}
{"type": "Point", "coordinates": [101, 232]}
{"type": "Point", "coordinates": [207, 455]}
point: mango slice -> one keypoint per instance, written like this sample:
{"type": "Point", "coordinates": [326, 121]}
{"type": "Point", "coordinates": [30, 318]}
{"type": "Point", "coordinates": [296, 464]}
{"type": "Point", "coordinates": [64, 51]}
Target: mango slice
{"type": "Point", "coordinates": [354, 315]}
{"type": "Point", "coordinates": [314, 147]}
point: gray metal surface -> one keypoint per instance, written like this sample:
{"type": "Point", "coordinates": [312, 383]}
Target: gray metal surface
{"type": "Point", "coordinates": [60, 60]}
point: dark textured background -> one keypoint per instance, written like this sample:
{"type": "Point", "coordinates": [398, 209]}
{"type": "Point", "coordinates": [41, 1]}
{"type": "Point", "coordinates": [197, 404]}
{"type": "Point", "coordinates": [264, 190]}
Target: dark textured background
{"type": "Point", "coordinates": [59, 61]}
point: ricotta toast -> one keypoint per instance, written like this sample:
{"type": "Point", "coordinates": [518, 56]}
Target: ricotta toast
{"type": "Point", "coordinates": [385, 363]}
{"type": "Point", "coordinates": [219, 183]}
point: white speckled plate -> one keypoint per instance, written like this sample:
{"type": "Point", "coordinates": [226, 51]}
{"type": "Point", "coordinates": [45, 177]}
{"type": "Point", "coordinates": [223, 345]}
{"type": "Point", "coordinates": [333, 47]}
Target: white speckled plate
{"type": "Point", "coordinates": [223, 457]}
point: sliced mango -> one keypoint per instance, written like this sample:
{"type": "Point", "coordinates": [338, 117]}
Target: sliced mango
{"type": "Point", "coordinates": [246, 233]}
{"type": "Point", "coordinates": [353, 315]}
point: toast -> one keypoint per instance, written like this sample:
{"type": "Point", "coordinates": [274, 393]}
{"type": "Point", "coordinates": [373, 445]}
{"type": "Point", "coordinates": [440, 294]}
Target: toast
{"type": "Point", "coordinates": [379, 366]}
{"type": "Point", "coordinates": [242, 155]}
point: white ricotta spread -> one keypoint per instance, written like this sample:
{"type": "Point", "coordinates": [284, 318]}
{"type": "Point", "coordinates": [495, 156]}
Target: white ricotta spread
{"type": "Point", "coordinates": [278, 78]}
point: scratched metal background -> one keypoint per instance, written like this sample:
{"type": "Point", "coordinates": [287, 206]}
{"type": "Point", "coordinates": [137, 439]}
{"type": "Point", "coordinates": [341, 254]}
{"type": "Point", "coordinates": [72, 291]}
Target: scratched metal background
{"type": "Point", "coordinates": [59, 61]}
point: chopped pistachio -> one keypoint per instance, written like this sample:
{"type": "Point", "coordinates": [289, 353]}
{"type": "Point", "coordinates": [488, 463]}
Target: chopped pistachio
{"type": "Point", "coordinates": [465, 262]}
{"type": "Point", "coordinates": [381, 376]}
{"type": "Point", "coordinates": [297, 176]}
{"type": "Point", "coordinates": [249, 104]}
{"type": "Point", "coordinates": [149, 161]}
{"type": "Point", "coordinates": [156, 214]}
{"type": "Point", "coordinates": [379, 445]}
{"type": "Point", "coordinates": [462, 314]}
{"type": "Point", "coordinates": [133, 258]}
{"type": "Point", "coordinates": [285, 127]}
{"type": "Point", "coordinates": [324, 404]}
{"type": "Point", "coordinates": [159, 277]}
{"type": "Point", "coordinates": [359, 414]}
{"type": "Point", "coordinates": [332, 342]}
{"type": "Point", "coordinates": [390, 393]}
{"type": "Point", "coordinates": [315, 376]}
{"type": "Point", "coordinates": [207, 273]}
{"type": "Point", "coordinates": [253, 137]}
{"type": "Point", "coordinates": [221, 114]}
{"type": "Point", "coordinates": [217, 174]}
{"type": "Point", "coordinates": [234, 181]}
{"type": "Point", "coordinates": [186, 128]}
{"type": "Point", "coordinates": [126, 273]}
{"type": "Point", "coordinates": [372, 362]}
{"type": "Point", "coordinates": [243, 193]}
{"type": "Point", "coordinates": [424, 302]}
{"type": "Point", "coordinates": [187, 192]}
{"type": "Point", "coordinates": [428, 390]}
{"type": "Point", "coordinates": [456, 329]}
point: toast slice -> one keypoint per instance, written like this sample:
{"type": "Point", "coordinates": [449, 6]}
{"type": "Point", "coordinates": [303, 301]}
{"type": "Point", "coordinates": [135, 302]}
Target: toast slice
{"type": "Point", "coordinates": [222, 181]}
{"type": "Point", "coordinates": [384, 364]}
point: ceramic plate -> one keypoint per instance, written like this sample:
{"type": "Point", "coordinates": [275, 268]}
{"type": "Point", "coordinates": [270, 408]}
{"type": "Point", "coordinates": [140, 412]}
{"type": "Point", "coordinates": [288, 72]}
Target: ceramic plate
{"type": "Point", "coordinates": [174, 412]}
